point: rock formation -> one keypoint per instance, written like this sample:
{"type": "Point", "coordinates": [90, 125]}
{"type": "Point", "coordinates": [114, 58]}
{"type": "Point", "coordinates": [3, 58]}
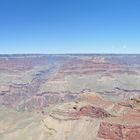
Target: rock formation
{"type": "Point", "coordinates": [69, 97]}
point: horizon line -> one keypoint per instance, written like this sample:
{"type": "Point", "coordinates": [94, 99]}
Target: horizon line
{"type": "Point", "coordinates": [69, 53]}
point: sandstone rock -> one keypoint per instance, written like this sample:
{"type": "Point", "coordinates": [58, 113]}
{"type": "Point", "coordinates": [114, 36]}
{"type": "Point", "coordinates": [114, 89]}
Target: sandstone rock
{"type": "Point", "coordinates": [110, 131]}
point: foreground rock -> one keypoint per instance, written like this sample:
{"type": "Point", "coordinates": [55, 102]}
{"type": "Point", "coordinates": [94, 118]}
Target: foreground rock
{"type": "Point", "coordinates": [125, 127]}
{"type": "Point", "coordinates": [84, 119]}
{"type": "Point", "coordinates": [111, 131]}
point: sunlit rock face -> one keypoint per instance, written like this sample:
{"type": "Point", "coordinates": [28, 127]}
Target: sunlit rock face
{"type": "Point", "coordinates": [118, 132]}
{"type": "Point", "coordinates": [70, 97]}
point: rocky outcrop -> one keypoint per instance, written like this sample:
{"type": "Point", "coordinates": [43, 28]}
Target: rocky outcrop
{"type": "Point", "coordinates": [93, 112]}
{"type": "Point", "coordinates": [109, 131]}
{"type": "Point", "coordinates": [74, 111]}
{"type": "Point", "coordinates": [124, 127]}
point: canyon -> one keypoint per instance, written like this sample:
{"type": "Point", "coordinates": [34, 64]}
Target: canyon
{"type": "Point", "coordinates": [70, 97]}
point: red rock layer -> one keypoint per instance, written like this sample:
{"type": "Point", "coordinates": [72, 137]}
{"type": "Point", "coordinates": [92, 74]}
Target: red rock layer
{"type": "Point", "coordinates": [93, 112]}
{"type": "Point", "coordinates": [110, 131]}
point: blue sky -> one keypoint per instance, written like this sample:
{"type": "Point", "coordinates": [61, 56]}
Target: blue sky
{"type": "Point", "coordinates": [69, 26]}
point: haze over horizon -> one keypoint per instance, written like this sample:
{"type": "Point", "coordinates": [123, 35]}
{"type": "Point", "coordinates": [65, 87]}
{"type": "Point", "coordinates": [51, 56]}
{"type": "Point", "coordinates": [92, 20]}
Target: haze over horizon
{"type": "Point", "coordinates": [69, 26]}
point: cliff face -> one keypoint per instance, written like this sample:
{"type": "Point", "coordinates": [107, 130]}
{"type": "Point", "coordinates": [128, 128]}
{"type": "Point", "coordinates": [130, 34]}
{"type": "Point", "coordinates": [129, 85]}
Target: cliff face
{"type": "Point", "coordinates": [70, 97]}
{"type": "Point", "coordinates": [111, 131]}
{"type": "Point", "coordinates": [125, 126]}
